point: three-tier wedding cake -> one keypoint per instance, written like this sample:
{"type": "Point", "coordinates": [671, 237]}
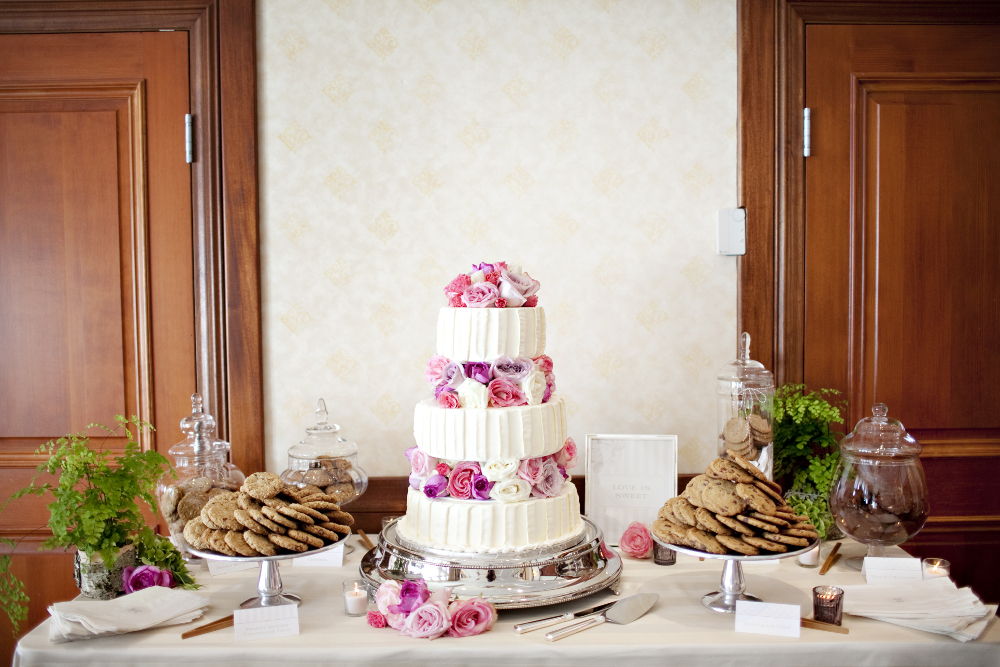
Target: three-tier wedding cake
{"type": "Point", "coordinates": [489, 471]}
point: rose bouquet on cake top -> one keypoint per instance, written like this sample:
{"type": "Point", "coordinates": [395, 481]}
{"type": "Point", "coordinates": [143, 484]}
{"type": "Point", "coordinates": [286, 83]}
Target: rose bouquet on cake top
{"type": "Point", "coordinates": [493, 285]}
{"type": "Point", "coordinates": [505, 383]}
{"type": "Point", "coordinates": [411, 608]}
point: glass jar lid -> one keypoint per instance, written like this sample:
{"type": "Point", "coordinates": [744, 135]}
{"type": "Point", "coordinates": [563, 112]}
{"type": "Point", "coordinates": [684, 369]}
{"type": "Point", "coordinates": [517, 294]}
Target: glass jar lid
{"type": "Point", "coordinates": [746, 371]}
{"type": "Point", "coordinates": [322, 440]}
{"type": "Point", "coordinates": [880, 437]}
{"type": "Point", "coordinates": [199, 429]}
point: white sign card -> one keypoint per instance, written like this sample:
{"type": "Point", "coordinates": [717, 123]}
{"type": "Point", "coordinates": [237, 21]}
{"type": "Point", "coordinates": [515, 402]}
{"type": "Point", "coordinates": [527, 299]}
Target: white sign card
{"type": "Point", "coordinates": [330, 558]}
{"type": "Point", "coordinates": [217, 567]}
{"type": "Point", "coordinates": [766, 618]}
{"type": "Point", "coordinates": [629, 477]}
{"type": "Point", "coordinates": [881, 570]}
{"type": "Point", "coordinates": [266, 622]}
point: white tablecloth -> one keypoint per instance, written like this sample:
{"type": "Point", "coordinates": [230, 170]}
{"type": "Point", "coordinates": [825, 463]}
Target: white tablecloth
{"type": "Point", "coordinates": [678, 630]}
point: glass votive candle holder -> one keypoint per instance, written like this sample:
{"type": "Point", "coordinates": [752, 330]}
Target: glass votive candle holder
{"type": "Point", "coordinates": [936, 567]}
{"type": "Point", "coordinates": [828, 604]}
{"type": "Point", "coordinates": [355, 597]}
{"type": "Point", "coordinates": [663, 555]}
{"type": "Point", "coordinates": [810, 558]}
{"type": "Point", "coordinates": [386, 520]}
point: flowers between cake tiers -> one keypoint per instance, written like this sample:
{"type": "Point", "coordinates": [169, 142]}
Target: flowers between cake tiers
{"type": "Point", "coordinates": [505, 383]}
{"type": "Point", "coordinates": [493, 286]}
{"type": "Point", "coordinates": [506, 481]}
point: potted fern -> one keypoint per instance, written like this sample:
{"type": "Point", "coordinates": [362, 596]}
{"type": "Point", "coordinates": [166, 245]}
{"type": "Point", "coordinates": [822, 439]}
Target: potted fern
{"type": "Point", "coordinates": [97, 508]}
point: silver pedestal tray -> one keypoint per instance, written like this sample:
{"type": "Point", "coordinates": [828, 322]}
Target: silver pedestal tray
{"type": "Point", "coordinates": [732, 585]}
{"type": "Point", "coordinates": [564, 572]}
{"type": "Point", "coordinates": [269, 589]}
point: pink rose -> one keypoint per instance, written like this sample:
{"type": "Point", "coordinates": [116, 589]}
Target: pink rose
{"type": "Point", "coordinates": [376, 619]}
{"type": "Point", "coordinates": [443, 469]}
{"type": "Point", "coordinates": [550, 481]}
{"type": "Point", "coordinates": [449, 400]}
{"type": "Point", "coordinates": [388, 594]}
{"type": "Point", "coordinates": [471, 617]}
{"type": "Point", "coordinates": [432, 373]}
{"type": "Point", "coordinates": [493, 277]}
{"type": "Point", "coordinates": [636, 541]}
{"type": "Point", "coordinates": [422, 465]}
{"type": "Point", "coordinates": [455, 301]}
{"type": "Point", "coordinates": [566, 457]}
{"type": "Point", "coordinates": [530, 470]}
{"type": "Point", "coordinates": [460, 482]}
{"type": "Point", "coordinates": [458, 285]}
{"type": "Point", "coordinates": [480, 295]}
{"type": "Point", "coordinates": [531, 301]}
{"type": "Point", "coordinates": [504, 394]}
{"type": "Point", "coordinates": [543, 363]}
{"type": "Point", "coordinates": [550, 387]}
{"type": "Point", "coordinates": [500, 302]}
{"type": "Point", "coordinates": [428, 621]}
{"type": "Point", "coordinates": [144, 576]}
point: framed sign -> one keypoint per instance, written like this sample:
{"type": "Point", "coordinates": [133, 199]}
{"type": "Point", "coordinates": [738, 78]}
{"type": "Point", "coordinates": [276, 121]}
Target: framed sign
{"type": "Point", "coordinates": [629, 477]}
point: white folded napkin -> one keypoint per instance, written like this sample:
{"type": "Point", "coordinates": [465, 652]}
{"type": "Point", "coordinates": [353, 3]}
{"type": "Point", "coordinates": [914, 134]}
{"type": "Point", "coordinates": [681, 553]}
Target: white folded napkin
{"type": "Point", "coordinates": [150, 607]}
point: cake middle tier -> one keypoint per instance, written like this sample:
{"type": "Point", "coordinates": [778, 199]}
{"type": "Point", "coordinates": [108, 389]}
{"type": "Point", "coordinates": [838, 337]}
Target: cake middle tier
{"type": "Point", "coordinates": [483, 334]}
{"type": "Point", "coordinates": [490, 434]}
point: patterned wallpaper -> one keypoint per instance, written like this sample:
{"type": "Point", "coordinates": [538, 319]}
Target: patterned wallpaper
{"type": "Point", "coordinates": [590, 141]}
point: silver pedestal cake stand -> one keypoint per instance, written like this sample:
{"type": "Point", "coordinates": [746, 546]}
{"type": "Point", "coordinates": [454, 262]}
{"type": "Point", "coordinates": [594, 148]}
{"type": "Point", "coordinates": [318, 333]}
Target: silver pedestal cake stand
{"type": "Point", "coordinates": [560, 573]}
{"type": "Point", "coordinates": [732, 586]}
{"type": "Point", "coordinates": [269, 588]}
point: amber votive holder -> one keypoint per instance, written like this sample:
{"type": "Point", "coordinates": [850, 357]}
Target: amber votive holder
{"type": "Point", "coordinates": [828, 604]}
{"type": "Point", "coordinates": [663, 555]}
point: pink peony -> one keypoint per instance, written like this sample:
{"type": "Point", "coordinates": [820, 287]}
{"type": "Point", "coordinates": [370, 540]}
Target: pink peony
{"type": "Point", "coordinates": [458, 285]}
{"type": "Point", "coordinates": [566, 457]}
{"type": "Point", "coordinates": [500, 302]}
{"type": "Point", "coordinates": [460, 482]}
{"type": "Point", "coordinates": [144, 576]}
{"type": "Point", "coordinates": [428, 621]}
{"type": "Point", "coordinates": [550, 481]}
{"type": "Point", "coordinates": [376, 619]}
{"type": "Point", "coordinates": [455, 301]}
{"type": "Point", "coordinates": [471, 617]}
{"type": "Point", "coordinates": [636, 541]}
{"type": "Point", "coordinates": [480, 295]}
{"type": "Point", "coordinates": [543, 363]}
{"type": "Point", "coordinates": [530, 470]}
{"type": "Point", "coordinates": [436, 364]}
{"type": "Point", "coordinates": [531, 301]}
{"type": "Point", "coordinates": [504, 394]}
{"type": "Point", "coordinates": [443, 469]}
{"type": "Point", "coordinates": [388, 594]}
{"type": "Point", "coordinates": [449, 400]}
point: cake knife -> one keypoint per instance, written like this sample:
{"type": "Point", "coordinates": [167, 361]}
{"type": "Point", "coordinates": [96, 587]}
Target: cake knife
{"type": "Point", "coordinates": [622, 612]}
{"type": "Point", "coordinates": [521, 628]}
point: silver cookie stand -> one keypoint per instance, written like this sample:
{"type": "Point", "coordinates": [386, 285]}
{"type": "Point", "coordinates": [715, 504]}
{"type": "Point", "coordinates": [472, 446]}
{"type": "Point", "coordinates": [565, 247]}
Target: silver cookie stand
{"type": "Point", "coordinates": [732, 586]}
{"type": "Point", "coordinates": [269, 589]}
{"type": "Point", "coordinates": [574, 569]}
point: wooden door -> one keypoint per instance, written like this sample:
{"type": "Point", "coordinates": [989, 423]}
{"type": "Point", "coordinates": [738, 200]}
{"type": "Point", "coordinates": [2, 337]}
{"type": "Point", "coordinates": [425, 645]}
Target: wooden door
{"type": "Point", "coordinates": [96, 269]}
{"type": "Point", "coordinates": [902, 239]}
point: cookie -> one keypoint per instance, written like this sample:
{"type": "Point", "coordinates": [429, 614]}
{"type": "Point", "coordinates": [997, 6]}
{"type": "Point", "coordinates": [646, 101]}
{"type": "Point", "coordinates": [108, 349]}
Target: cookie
{"type": "Point", "coordinates": [787, 516]}
{"type": "Point", "coordinates": [703, 541]}
{"type": "Point", "coordinates": [277, 517]}
{"type": "Point", "coordinates": [276, 502]}
{"type": "Point", "coordinates": [288, 543]}
{"type": "Point", "coordinates": [260, 543]}
{"type": "Point", "coordinates": [322, 532]}
{"type": "Point", "coordinates": [736, 458]}
{"type": "Point", "coordinates": [726, 469]}
{"type": "Point", "coordinates": [736, 431]}
{"type": "Point", "coordinates": [194, 533]}
{"type": "Point", "coordinates": [757, 523]}
{"type": "Point", "coordinates": [756, 499]}
{"type": "Point", "coordinates": [220, 511]}
{"type": "Point", "coordinates": [706, 521]}
{"type": "Point", "coordinates": [322, 505]}
{"type": "Point", "coordinates": [217, 542]}
{"type": "Point", "coordinates": [308, 511]}
{"type": "Point", "coordinates": [760, 430]}
{"type": "Point", "coordinates": [295, 514]}
{"type": "Point", "coordinates": [335, 462]}
{"type": "Point", "coordinates": [341, 492]}
{"type": "Point", "coordinates": [247, 502]}
{"type": "Point", "coordinates": [236, 542]}
{"type": "Point", "coordinates": [310, 489]}
{"type": "Point", "coordinates": [801, 525]}
{"type": "Point", "coordinates": [196, 485]}
{"type": "Point", "coordinates": [318, 477]}
{"type": "Point", "coordinates": [262, 485]}
{"type": "Point", "coordinates": [169, 499]}
{"type": "Point", "coordinates": [720, 497]}
{"type": "Point", "coordinates": [190, 505]}
{"type": "Point", "coordinates": [309, 539]}
{"type": "Point", "coordinates": [801, 532]}
{"type": "Point", "coordinates": [257, 516]}
{"type": "Point", "coordinates": [226, 484]}
{"type": "Point", "coordinates": [207, 520]}
{"type": "Point", "coordinates": [781, 523]}
{"type": "Point", "coordinates": [765, 544]}
{"type": "Point", "coordinates": [774, 495]}
{"type": "Point", "coordinates": [679, 510]}
{"type": "Point", "coordinates": [788, 539]}
{"type": "Point", "coordinates": [335, 527]}
{"type": "Point", "coordinates": [214, 491]}
{"type": "Point", "coordinates": [248, 522]}
{"type": "Point", "coordinates": [669, 532]}
{"type": "Point", "coordinates": [738, 526]}
{"type": "Point", "coordinates": [738, 545]}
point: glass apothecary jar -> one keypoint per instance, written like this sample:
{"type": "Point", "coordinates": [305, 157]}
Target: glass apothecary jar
{"type": "Point", "coordinates": [203, 470]}
{"type": "Point", "coordinates": [745, 410]}
{"type": "Point", "coordinates": [879, 493]}
{"type": "Point", "coordinates": [326, 460]}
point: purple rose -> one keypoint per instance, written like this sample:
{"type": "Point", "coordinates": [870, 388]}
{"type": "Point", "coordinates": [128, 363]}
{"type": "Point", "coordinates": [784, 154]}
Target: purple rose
{"type": "Point", "coordinates": [411, 595]}
{"type": "Point", "coordinates": [436, 486]}
{"type": "Point", "coordinates": [452, 376]}
{"type": "Point", "coordinates": [480, 295]}
{"type": "Point", "coordinates": [478, 371]}
{"type": "Point", "coordinates": [484, 267]}
{"type": "Point", "coordinates": [550, 482]}
{"type": "Point", "coordinates": [515, 370]}
{"type": "Point", "coordinates": [516, 288]}
{"type": "Point", "coordinates": [144, 576]}
{"type": "Point", "coordinates": [481, 487]}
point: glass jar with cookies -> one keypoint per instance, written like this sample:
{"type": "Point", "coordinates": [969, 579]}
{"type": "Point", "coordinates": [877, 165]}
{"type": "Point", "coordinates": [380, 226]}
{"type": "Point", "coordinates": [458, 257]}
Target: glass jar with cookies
{"type": "Point", "coordinates": [202, 469]}
{"type": "Point", "coordinates": [745, 409]}
{"type": "Point", "coordinates": [325, 460]}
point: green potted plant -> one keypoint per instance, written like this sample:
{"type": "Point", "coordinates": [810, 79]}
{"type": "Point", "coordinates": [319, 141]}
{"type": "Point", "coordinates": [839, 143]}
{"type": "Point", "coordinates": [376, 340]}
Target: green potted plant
{"type": "Point", "coordinates": [806, 450]}
{"type": "Point", "coordinates": [97, 508]}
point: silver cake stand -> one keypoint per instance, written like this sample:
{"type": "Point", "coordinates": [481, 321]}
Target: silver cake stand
{"type": "Point", "coordinates": [563, 572]}
{"type": "Point", "coordinates": [269, 589]}
{"type": "Point", "coordinates": [732, 586]}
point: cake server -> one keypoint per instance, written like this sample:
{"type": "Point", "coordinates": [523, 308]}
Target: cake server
{"type": "Point", "coordinates": [521, 628]}
{"type": "Point", "coordinates": [622, 612]}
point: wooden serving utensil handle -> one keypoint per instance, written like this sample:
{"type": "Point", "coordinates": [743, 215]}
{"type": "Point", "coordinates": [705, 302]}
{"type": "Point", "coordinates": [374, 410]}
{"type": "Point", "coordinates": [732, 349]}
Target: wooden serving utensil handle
{"type": "Point", "coordinates": [220, 624]}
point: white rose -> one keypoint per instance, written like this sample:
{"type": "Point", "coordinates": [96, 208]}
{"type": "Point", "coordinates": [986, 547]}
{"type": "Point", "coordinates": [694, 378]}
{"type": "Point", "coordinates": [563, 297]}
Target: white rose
{"type": "Point", "coordinates": [498, 471]}
{"type": "Point", "coordinates": [512, 490]}
{"type": "Point", "coordinates": [509, 292]}
{"type": "Point", "coordinates": [534, 387]}
{"type": "Point", "coordinates": [477, 277]}
{"type": "Point", "coordinates": [471, 394]}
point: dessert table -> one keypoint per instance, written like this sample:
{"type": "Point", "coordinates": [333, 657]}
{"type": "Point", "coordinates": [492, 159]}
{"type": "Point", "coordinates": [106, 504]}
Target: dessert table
{"type": "Point", "coordinates": [678, 630]}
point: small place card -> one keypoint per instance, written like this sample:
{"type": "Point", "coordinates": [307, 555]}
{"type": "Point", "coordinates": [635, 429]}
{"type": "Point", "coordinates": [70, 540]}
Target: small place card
{"type": "Point", "coordinates": [881, 570]}
{"type": "Point", "coordinates": [266, 622]}
{"type": "Point", "coordinates": [217, 567]}
{"type": "Point", "coordinates": [332, 558]}
{"type": "Point", "coordinates": [766, 618]}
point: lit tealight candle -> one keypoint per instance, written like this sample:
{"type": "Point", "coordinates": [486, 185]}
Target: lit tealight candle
{"type": "Point", "coordinates": [355, 598]}
{"type": "Point", "coordinates": [936, 567]}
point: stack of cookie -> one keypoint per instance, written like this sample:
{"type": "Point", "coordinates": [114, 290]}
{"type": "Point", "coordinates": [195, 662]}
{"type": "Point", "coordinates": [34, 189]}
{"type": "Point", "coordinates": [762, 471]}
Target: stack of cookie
{"type": "Point", "coordinates": [333, 476]}
{"type": "Point", "coordinates": [183, 502]}
{"type": "Point", "coordinates": [747, 435]}
{"type": "Point", "coordinates": [266, 517]}
{"type": "Point", "coordinates": [733, 508]}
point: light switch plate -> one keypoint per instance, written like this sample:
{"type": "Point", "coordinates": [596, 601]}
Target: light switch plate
{"type": "Point", "coordinates": [731, 236]}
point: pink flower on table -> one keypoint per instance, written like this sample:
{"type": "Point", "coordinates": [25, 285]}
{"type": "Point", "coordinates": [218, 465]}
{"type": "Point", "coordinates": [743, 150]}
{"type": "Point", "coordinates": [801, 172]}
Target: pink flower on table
{"type": "Point", "coordinates": [376, 619]}
{"type": "Point", "coordinates": [530, 470]}
{"type": "Point", "coordinates": [460, 482]}
{"type": "Point", "coordinates": [455, 301]}
{"type": "Point", "coordinates": [471, 617]}
{"type": "Point", "coordinates": [449, 400]}
{"type": "Point", "coordinates": [428, 621]}
{"type": "Point", "coordinates": [531, 301]}
{"type": "Point", "coordinates": [144, 576]}
{"type": "Point", "coordinates": [636, 541]}
{"type": "Point", "coordinates": [412, 594]}
{"type": "Point", "coordinates": [500, 302]}
{"type": "Point", "coordinates": [388, 595]}
{"type": "Point", "coordinates": [480, 295]}
{"type": "Point", "coordinates": [551, 480]}
{"type": "Point", "coordinates": [543, 363]}
{"type": "Point", "coordinates": [458, 285]}
{"type": "Point", "coordinates": [566, 457]}
{"type": "Point", "coordinates": [505, 394]}
{"type": "Point", "coordinates": [436, 364]}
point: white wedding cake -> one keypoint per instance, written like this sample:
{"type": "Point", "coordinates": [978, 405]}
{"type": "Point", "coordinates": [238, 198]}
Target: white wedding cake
{"type": "Point", "coordinates": [489, 471]}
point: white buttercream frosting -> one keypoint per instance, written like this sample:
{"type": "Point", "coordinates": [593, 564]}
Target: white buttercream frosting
{"type": "Point", "coordinates": [489, 434]}
{"type": "Point", "coordinates": [483, 526]}
{"type": "Point", "coordinates": [483, 334]}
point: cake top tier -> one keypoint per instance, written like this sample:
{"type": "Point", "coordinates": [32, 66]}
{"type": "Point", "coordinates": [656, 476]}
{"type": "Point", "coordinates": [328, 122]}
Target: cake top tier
{"type": "Point", "coordinates": [495, 285]}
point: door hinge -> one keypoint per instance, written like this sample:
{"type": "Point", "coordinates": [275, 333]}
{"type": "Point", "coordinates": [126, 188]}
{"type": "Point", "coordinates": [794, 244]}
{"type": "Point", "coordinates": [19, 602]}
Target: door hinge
{"type": "Point", "coordinates": [189, 138]}
{"type": "Point", "coordinates": [806, 139]}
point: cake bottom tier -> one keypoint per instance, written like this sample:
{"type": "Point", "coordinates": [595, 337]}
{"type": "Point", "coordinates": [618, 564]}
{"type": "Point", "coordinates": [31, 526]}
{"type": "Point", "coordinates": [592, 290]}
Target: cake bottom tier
{"type": "Point", "coordinates": [487, 526]}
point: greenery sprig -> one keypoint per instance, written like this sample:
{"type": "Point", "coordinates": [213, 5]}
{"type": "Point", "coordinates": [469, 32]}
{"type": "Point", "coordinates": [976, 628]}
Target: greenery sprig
{"type": "Point", "coordinates": [802, 426]}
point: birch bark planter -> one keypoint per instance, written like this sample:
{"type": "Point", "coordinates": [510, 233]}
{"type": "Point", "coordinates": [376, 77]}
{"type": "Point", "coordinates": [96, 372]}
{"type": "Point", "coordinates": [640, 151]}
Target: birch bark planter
{"type": "Point", "coordinates": [95, 579]}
